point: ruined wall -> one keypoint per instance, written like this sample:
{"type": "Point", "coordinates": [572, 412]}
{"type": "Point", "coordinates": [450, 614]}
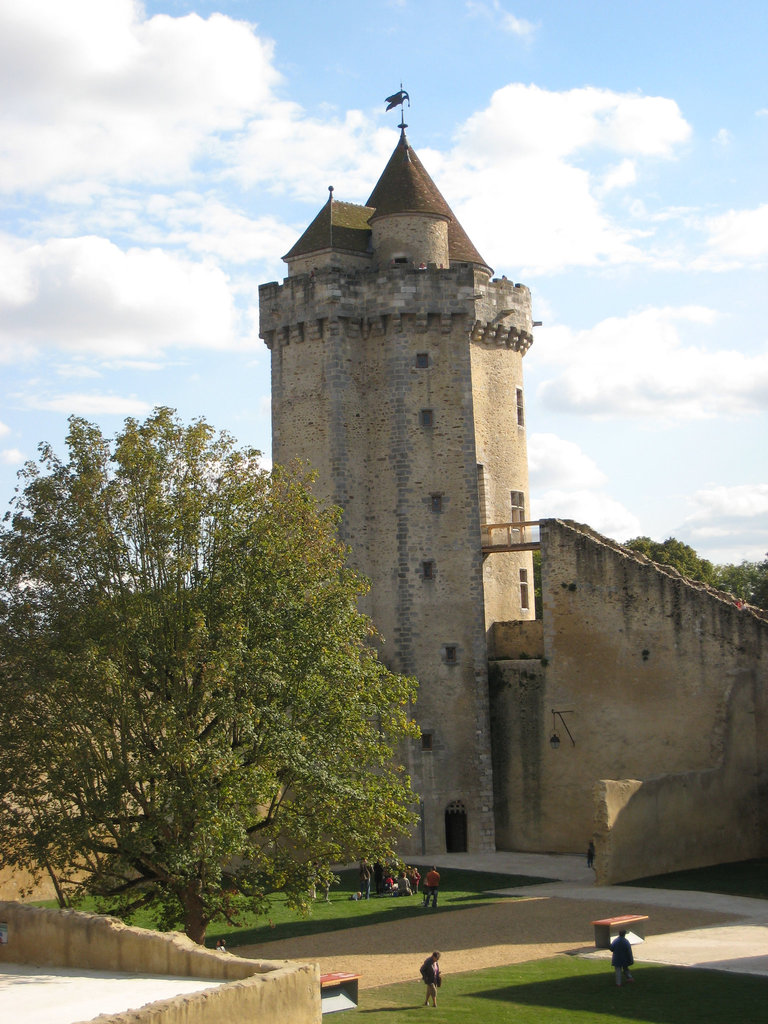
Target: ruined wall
{"type": "Point", "coordinates": [656, 677]}
{"type": "Point", "coordinates": [266, 991]}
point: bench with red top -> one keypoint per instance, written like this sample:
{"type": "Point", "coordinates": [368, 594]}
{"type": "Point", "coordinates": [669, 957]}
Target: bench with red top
{"type": "Point", "coordinates": [338, 991]}
{"type": "Point", "coordinates": [631, 922]}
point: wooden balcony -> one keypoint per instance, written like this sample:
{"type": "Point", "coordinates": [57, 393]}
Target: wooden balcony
{"type": "Point", "coordinates": [510, 537]}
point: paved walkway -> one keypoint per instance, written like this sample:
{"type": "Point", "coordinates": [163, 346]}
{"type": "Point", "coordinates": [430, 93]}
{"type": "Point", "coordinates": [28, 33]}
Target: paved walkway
{"type": "Point", "coordinates": [741, 946]}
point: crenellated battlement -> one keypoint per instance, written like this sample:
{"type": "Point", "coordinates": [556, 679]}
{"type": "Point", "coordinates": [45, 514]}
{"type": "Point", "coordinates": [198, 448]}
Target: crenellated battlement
{"type": "Point", "coordinates": [393, 299]}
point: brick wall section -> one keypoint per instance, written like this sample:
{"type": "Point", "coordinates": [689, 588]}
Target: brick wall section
{"type": "Point", "coordinates": [348, 396]}
{"type": "Point", "coordinates": [665, 680]}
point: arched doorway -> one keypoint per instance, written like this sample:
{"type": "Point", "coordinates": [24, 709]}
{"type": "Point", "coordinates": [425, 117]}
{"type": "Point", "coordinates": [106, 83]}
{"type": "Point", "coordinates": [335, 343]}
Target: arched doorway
{"type": "Point", "coordinates": [456, 827]}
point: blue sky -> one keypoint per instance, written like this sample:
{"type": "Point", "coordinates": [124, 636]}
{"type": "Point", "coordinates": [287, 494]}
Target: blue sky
{"type": "Point", "coordinates": [157, 160]}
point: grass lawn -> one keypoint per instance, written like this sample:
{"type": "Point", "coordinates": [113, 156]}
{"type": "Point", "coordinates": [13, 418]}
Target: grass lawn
{"type": "Point", "coordinates": [743, 878]}
{"type": "Point", "coordinates": [567, 990]}
{"type": "Point", "coordinates": [459, 889]}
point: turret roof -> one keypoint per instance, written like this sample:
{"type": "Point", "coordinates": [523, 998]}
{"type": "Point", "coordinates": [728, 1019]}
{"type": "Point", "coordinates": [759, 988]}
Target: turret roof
{"type": "Point", "coordinates": [341, 225]}
{"type": "Point", "coordinates": [404, 187]}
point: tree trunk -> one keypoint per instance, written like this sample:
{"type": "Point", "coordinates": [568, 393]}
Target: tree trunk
{"type": "Point", "coordinates": [195, 919]}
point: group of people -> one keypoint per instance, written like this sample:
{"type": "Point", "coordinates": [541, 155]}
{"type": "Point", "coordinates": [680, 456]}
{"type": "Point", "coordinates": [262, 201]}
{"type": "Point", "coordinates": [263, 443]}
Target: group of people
{"type": "Point", "coordinates": [387, 880]}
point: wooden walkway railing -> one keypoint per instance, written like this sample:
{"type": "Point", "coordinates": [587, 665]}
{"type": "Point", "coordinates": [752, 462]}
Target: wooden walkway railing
{"type": "Point", "coordinates": [510, 537]}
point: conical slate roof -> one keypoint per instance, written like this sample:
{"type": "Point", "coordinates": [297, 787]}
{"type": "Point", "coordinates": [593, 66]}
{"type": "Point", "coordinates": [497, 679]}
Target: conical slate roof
{"type": "Point", "coordinates": [404, 187]}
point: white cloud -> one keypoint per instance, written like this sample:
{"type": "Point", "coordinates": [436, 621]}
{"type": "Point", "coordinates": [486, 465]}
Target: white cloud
{"type": "Point", "coordinates": [651, 364]}
{"type": "Point", "coordinates": [554, 463]}
{"type": "Point", "coordinates": [521, 185]}
{"type": "Point", "coordinates": [86, 295]}
{"type": "Point", "coordinates": [507, 22]}
{"type": "Point", "coordinates": [82, 404]}
{"type": "Point", "coordinates": [598, 510]}
{"type": "Point", "coordinates": [95, 90]}
{"type": "Point", "coordinates": [621, 176]}
{"type": "Point", "coordinates": [567, 484]}
{"type": "Point", "coordinates": [4, 429]}
{"type": "Point", "coordinates": [723, 138]}
{"type": "Point", "coordinates": [730, 522]}
{"type": "Point", "coordinates": [736, 238]}
{"type": "Point", "coordinates": [739, 502]}
{"type": "Point", "coordinates": [11, 457]}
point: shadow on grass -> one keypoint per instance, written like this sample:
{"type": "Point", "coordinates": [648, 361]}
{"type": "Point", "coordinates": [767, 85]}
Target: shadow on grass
{"type": "Point", "coordinates": [661, 995]}
{"type": "Point", "coordinates": [263, 934]}
{"type": "Point", "coordinates": [464, 889]}
{"type": "Point", "coordinates": [742, 878]}
{"type": "Point", "coordinates": [567, 991]}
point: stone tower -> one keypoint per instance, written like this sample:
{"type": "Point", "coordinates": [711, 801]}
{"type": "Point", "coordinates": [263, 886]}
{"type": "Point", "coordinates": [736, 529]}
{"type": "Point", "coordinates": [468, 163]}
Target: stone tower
{"type": "Point", "coordinates": [397, 374]}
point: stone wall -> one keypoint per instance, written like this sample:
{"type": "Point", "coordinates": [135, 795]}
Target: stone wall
{"type": "Point", "coordinates": [394, 385]}
{"type": "Point", "coordinates": [269, 992]}
{"type": "Point", "coordinates": [661, 683]}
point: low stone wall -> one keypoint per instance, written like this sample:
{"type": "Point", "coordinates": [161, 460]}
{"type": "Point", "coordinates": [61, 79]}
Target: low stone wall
{"type": "Point", "coordinates": [670, 823]}
{"type": "Point", "coordinates": [263, 991]}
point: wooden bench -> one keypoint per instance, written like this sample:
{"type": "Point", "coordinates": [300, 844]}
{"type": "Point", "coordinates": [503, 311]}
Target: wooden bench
{"type": "Point", "coordinates": [338, 991]}
{"type": "Point", "coordinates": [604, 926]}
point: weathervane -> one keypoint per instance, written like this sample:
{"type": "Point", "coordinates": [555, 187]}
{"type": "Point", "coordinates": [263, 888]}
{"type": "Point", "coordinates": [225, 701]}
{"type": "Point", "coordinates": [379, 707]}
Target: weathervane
{"type": "Point", "coordinates": [398, 100]}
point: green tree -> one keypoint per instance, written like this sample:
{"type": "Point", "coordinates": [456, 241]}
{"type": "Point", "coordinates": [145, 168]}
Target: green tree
{"type": "Point", "coordinates": [748, 581]}
{"type": "Point", "coordinates": [193, 715]}
{"type": "Point", "coordinates": [676, 554]}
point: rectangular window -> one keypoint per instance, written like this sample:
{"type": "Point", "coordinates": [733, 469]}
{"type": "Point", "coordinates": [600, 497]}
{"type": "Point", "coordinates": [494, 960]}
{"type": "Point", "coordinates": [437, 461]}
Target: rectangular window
{"type": "Point", "coordinates": [428, 570]}
{"type": "Point", "coordinates": [482, 494]}
{"type": "Point", "coordinates": [517, 503]}
{"type": "Point", "coordinates": [524, 589]}
{"type": "Point", "coordinates": [520, 408]}
{"type": "Point", "coordinates": [422, 360]}
{"type": "Point", "coordinates": [436, 501]}
{"type": "Point", "coordinates": [426, 418]}
{"type": "Point", "coordinates": [451, 655]}
{"type": "Point", "coordinates": [426, 741]}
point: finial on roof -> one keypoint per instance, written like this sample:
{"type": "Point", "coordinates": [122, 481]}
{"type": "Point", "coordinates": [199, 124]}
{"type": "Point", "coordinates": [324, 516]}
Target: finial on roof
{"type": "Point", "coordinates": [330, 189]}
{"type": "Point", "coordinates": [398, 99]}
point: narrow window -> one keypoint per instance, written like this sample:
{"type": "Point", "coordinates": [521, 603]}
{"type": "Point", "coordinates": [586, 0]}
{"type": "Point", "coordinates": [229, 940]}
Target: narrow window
{"type": "Point", "coordinates": [517, 502]}
{"type": "Point", "coordinates": [422, 360]}
{"type": "Point", "coordinates": [400, 259]}
{"type": "Point", "coordinates": [524, 589]}
{"type": "Point", "coordinates": [426, 418]}
{"type": "Point", "coordinates": [436, 502]}
{"type": "Point", "coordinates": [426, 741]}
{"type": "Point", "coordinates": [482, 494]}
{"type": "Point", "coordinates": [428, 570]}
{"type": "Point", "coordinates": [450, 654]}
{"type": "Point", "coordinates": [520, 408]}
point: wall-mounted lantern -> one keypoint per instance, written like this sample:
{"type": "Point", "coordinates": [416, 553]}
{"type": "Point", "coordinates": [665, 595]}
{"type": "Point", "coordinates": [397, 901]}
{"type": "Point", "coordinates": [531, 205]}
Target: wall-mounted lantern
{"type": "Point", "coordinates": [554, 741]}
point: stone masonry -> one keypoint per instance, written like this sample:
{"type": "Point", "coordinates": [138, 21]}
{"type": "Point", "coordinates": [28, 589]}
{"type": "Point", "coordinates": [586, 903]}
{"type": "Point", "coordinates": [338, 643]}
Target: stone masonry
{"type": "Point", "coordinates": [400, 381]}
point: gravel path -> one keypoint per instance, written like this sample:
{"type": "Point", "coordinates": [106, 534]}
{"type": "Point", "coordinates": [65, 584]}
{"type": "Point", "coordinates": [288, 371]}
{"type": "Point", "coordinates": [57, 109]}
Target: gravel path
{"type": "Point", "coordinates": [508, 932]}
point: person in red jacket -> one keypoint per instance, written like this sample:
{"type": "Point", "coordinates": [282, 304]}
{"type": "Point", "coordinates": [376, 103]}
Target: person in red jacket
{"type": "Point", "coordinates": [431, 885]}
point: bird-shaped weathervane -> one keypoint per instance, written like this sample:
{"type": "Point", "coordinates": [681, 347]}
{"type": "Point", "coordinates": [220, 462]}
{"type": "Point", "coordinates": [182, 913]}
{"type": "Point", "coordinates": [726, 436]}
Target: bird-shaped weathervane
{"type": "Point", "coordinates": [398, 100]}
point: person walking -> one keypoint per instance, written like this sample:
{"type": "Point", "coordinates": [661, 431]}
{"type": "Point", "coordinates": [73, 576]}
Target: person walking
{"type": "Point", "coordinates": [622, 958]}
{"type": "Point", "coordinates": [431, 885]}
{"type": "Point", "coordinates": [430, 973]}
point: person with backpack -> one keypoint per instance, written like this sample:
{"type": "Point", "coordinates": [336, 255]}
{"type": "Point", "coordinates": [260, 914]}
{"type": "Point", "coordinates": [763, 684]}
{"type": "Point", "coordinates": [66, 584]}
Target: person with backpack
{"type": "Point", "coordinates": [430, 974]}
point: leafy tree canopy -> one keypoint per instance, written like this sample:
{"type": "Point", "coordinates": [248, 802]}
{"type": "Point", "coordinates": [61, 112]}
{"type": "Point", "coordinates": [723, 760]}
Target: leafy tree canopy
{"type": "Point", "coordinates": [747, 581]}
{"type": "Point", "coordinates": [193, 713]}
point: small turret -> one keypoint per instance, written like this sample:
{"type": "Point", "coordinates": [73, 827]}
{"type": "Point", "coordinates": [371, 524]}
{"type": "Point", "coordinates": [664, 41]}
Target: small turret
{"type": "Point", "coordinates": [412, 222]}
